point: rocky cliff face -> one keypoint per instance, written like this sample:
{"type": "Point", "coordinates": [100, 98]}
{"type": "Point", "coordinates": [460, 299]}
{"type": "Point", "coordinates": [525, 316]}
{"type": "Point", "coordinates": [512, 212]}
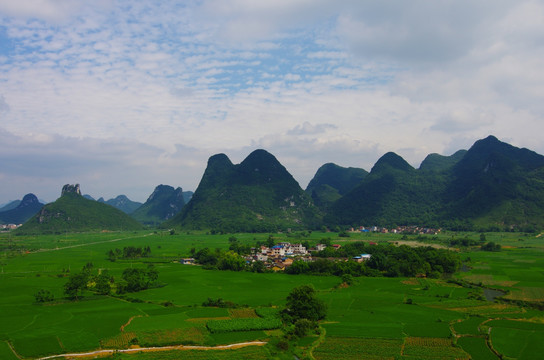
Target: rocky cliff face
{"type": "Point", "coordinates": [70, 189]}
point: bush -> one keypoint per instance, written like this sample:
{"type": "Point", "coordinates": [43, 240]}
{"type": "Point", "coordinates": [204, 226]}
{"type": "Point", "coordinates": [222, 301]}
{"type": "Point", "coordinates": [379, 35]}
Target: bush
{"type": "Point", "coordinates": [303, 327]}
{"type": "Point", "coordinates": [44, 296]}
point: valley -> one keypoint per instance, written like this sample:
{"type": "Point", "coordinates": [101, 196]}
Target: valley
{"type": "Point", "coordinates": [372, 317]}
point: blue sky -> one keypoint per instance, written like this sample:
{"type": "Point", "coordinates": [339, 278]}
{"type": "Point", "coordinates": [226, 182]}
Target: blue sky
{"type": "Point", "coordinates": [121, 96]}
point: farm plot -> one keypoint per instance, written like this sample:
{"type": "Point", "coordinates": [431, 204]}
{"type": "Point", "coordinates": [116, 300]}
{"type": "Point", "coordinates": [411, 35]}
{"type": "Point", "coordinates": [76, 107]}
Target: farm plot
{"type": "Point", "coordinates": [517, 339]}
{"type": "Point", "coordinates": [476, 347]}
{"type": "Point", "coordinates": [468, 326]}
{"type": "Point", "coordinates": [345, 348]}
{"type": "Point", "coordinates": [240, 324]}
{"type": "Point", "coordinates": [5, 352]}
{"type": "Point", "coordinates": [432, 348]}
{"type": "Point", "coordinates": [377, 308]}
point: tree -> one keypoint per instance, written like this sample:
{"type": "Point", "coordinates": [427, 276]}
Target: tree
{"type": "Point", "coordinates": [103, 284]}
{"type": "Point", "coordinates": [302, 303]}
{"type": "Point", "coordinates": [302, 327]}
{"type": "Point", "coordinates": [76, 284]}
{"type": "Point", "coordinates": [44, 296]}
{"type": "Point", "coordinates": [231, 261]}
{"type": "Point", "coordinates": [135, 278]}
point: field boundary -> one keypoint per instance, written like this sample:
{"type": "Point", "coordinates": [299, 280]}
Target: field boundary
{"type": "Point", "coordinates": [13, 350]}
{"type": "Point", "coordinates": [158, 348]}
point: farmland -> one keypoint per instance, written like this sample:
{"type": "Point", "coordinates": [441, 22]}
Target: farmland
{"type": "Point", "coordinates": [378, 317]}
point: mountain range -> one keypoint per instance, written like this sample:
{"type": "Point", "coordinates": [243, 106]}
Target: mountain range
{"type": "Point", "coordinates": [491, 186]}
{"type": "Point", "coordinates": [122, 203]}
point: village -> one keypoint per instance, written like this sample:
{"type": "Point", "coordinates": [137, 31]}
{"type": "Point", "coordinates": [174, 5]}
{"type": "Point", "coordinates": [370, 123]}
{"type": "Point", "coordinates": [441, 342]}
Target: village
{"type": "Point", "coordinates": [7, 227]}
{"type": "Point", "coordinates": [282, 255]}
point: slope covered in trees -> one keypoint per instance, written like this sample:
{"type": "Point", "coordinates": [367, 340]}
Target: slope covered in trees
{"type": "Point", "coordinates": [73, 213]}
{"type": "Point", "coordinates": [331, 182]}
{"type": "Point", "coordinates": [492, 186]}
{"type": "Point", "coordinates": [162, 204]}
{"type": "Point", "coordinates": [258, 194]}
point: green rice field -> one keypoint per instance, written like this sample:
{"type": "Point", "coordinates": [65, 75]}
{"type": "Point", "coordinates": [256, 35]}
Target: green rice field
{"type": "Point", "coordinates": [374, 318]}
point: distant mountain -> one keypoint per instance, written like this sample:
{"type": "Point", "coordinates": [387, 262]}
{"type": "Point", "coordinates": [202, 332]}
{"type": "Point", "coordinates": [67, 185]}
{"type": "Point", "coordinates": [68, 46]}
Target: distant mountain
{"type": "Point", "coordinates": [89, 197]}
{"type": "Point", "coordinates": [11, 205]}
{"type": "Point", "coordinates": [392, 193]}
{"type": "Point", "coordinates": [162, 204]}
{"type": "Point", "coordinates": [22, 212]}
{"type": "Point", "coordinates": [122, 203]}
{"type": "Point", "coordinates": [436, 162]}
{"type": "Point", "coordinates": [331, 182]}
{"type": "Point", "coordinates": [499, 184]}
{"type": "Point", "coordinates": [492, 186]}
{"type": "Point", "coordinates": [258, 194]}
{"type": "Point", "coordinates": [73, 213]}
{"type": "Point", "coordinates": [187, 195]}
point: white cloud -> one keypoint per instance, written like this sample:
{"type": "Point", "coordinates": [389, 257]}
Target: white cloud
{"type": "Point", "coordinates": [312, 81]}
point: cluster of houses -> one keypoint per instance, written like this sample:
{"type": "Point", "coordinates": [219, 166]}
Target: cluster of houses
{"type": "Point", "coordinates": [399, 230]}
{"type": "Point", "coordinates": [282, 255]}
{"type": "Point", "coordinates": [6, 227]}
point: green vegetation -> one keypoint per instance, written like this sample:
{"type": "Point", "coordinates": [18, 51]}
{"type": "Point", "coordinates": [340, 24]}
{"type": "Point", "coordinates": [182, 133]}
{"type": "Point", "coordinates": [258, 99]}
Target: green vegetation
{"type": "Point", "coordinates": [331, 182]}
{"type": "Point", "coordinates": [303, 303]}
{"type": "Point", "coordinates": [162, 204]}
{"type": "Point", "coordinates": [73, 213]}
{"type": "Point", "coordinates": [366, 317]}
{"type": "Point", "coordinates": [250, 324]}
{"type": "Point", "coordinates": [257, 195]}
{"type": "Point", "coordinates": [129, 252]}
{"type": "Point", "coordinates": [491, 187]}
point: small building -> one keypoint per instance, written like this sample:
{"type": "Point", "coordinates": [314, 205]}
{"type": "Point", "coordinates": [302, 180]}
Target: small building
{"type": "Point", "coordinates": [187, 261]}
{"type": "Point", "coordinates": [320, 247]}
{"type": "Point", "coordinates": [278, 250]}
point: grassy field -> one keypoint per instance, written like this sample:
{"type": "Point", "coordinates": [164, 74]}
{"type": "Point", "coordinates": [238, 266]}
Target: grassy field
{"type": "Point", "coordinates": [380, 318]}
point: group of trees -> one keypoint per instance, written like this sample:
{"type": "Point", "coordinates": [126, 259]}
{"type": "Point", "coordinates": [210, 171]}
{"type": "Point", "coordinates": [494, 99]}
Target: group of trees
{"type": "Point", "coordinates": [129, 252]}
{"type": "Point", "coordinates": [102, 283]}
{"type": "Point", "coordinates": [386, 260]}
{"type": "Point", "coordinates": [491, 246]}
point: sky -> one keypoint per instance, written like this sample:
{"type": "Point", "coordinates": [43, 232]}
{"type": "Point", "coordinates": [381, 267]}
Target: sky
{"type": "Point", "coordinates": [121, 96]}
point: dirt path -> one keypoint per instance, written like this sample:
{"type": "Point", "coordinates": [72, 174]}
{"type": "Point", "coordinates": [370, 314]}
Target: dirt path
{"type": "Point", "coordinates": [160, 348]}
{"type": "Point", "coordinates": [128, 322]}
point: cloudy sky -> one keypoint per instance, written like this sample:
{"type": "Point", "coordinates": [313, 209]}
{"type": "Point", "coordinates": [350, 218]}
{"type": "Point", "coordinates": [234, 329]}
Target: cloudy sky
{"type": "Point", "coordinates": [121, 96]}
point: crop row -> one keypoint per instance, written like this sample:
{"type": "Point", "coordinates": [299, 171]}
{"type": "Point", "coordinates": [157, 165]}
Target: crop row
{"type": "Point", "coordinates": [347, 348]}
{"type": "Point", "coordinates": [267, 312]}
{"type": "Point", "coordinates": [243, 313]}
{"type": "Point", "coordinates": [247, 324]}
{"type": "Point", "coordinates": [425, 341]}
